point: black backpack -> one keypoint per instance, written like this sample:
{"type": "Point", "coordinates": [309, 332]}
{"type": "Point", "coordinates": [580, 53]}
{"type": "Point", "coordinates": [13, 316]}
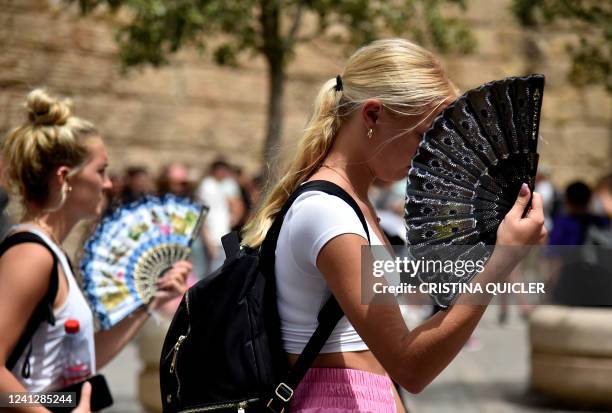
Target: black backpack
{"type": "Point", "coordinates": [43, 311]}
{"type": "Point", "coordinates": [223, 350]}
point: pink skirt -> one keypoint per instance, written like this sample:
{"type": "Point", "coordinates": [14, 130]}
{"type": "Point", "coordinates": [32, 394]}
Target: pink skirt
{"type": "Point", "coordinates": [332, 390]}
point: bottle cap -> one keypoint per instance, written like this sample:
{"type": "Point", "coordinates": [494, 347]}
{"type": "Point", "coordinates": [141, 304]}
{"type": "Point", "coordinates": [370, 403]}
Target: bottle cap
{"type": "Point", "coordinates": [71, 326]}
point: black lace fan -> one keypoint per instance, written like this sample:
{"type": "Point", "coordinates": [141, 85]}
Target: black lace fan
{"type": "Point", "coordinates": [468, 171]}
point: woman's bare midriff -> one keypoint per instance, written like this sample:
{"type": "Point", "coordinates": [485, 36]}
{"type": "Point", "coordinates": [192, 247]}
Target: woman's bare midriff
{"type": "Point", "coordinates": [358, 360]}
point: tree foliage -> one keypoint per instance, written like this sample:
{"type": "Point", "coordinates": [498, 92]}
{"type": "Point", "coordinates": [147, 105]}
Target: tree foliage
{"type": "Point", "coordinates": [158, 28]}
{"type": "Point", "coordinates": [589, 20]}
{"type": "Point", "coordinates": [150, 31]}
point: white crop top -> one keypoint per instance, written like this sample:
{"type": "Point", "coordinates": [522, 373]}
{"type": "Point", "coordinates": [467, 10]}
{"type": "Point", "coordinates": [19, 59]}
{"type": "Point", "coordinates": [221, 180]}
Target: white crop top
{"type": "Point", "coordinates": [313, 220]}
{"type": "Point", "coordinates": [47, 358]}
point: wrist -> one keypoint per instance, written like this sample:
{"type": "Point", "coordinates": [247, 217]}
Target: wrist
{"type": "Point", "coordinates": [144, 311]}
{"type": "Point", "coordinates": [504, 259]}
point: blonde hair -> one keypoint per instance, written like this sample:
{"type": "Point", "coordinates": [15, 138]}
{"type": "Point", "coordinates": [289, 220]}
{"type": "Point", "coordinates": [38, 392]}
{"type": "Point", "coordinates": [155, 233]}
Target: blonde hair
{"type": "Point", "coordinates": [405, 77]}
{"type": "Point", "coordinates": [50, 138]}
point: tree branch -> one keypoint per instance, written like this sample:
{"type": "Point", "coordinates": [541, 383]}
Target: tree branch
{"type": "Point", "coordinates": [295, 26]}
{"type": "Point", "coordinates": [303, 39]}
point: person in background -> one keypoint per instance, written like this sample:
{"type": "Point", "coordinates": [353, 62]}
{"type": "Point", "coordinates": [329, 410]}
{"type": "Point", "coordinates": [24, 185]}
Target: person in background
{"type": "Point", "coordinates": [137, 183]}
{"type": "Point", "coordinates": [550, 197]}
{"type": "Point", "coordinates": [57, 164]}
{"type": "Point", "coordinates": [570, 226]}
{"type": "Point", "coordinates": [580, 275]}
{"type": "Point", "coordinates": [245, 205]}
{"type": "Point", "coordinates": [602, 197]}
{"type": "Point", "coordinates": [221, 193]}
{"type": "Point", "coordinates": [174, 179]}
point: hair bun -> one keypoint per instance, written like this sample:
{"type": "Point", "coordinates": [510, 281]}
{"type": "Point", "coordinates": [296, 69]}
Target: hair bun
{"type": "Point", "coordinates": [46, 110]}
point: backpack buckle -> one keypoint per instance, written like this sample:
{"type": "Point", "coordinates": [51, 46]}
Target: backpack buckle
{"type": "Point", "coordinates": [287, 389]}
{"type": "Point", "coordinates": [284, 393]}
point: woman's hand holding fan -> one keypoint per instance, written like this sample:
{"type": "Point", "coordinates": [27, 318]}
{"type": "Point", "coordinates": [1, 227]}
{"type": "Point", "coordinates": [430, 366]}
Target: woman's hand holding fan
{"type": "Point", "coordinates": [518, 231]}
{"type": "Point", "coordinates": [137, 256]}
{"type": "Point", "coordinates": [171, 285]}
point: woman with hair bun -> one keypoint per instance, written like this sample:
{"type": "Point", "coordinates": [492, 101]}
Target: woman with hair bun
{"type": "Point", "coordinates": [367, 124]}
{"type": "Point", "coordinates": [56, 163]}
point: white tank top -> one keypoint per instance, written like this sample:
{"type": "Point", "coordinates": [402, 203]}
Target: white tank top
{"type": "Point", "coordinates": [47, 357]}
{"type": "Point", "coordinates": [314, 218]}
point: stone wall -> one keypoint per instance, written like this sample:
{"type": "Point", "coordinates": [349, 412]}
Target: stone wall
{"type": "Point", "coordinates": [193, 110]}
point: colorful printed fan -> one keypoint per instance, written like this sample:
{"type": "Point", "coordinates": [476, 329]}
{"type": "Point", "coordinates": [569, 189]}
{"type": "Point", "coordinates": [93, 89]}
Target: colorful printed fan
{"type": "Point", "coordinates": [131, 248]}
{"type": "Point", "coordinates": [468, 171]}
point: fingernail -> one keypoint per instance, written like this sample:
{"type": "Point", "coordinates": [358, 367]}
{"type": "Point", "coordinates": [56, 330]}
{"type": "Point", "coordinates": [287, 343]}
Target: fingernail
{"type": "Point", "coordinates": [524, 190]}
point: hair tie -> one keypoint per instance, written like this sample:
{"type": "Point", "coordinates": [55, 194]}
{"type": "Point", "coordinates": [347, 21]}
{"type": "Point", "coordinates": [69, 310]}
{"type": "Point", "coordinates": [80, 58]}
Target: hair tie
{"type": "Point", "coordinates": [338, 83]}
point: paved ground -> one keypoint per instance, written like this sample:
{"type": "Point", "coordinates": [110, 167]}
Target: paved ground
{"type": "Point", "coordinates": [122, 376]}
{"type": "Point", "coordinates": [492, 379]}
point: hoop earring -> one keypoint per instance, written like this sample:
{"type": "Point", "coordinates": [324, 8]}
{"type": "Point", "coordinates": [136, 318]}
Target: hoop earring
{"type": "Point", "coordinates": [63, 194]}
{"type": "Point", "coordinates": [370, 133]}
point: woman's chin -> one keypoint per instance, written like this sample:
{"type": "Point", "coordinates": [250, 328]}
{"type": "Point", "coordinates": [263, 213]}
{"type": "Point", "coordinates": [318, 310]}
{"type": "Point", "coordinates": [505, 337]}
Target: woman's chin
{"type": "Point", "coordinates": [93, 214]}
{"type": "Point", "coordinates": [98, 212]}
{"type": "Point", "coordinates": [398, 175]}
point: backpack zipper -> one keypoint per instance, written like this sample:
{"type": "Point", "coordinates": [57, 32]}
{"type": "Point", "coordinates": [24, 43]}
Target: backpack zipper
{"type": "Point", "coordinates": [252, 323]}
{"type": "Point", "coordinates": [177, 347]}
{"type": "Point", "coordinates": [240, 407]}
{"type": "Point", "coordinates": [187, 308]}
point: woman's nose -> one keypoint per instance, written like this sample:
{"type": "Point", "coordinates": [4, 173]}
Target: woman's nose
{"type": "Point", "coordinates": [108, 184]}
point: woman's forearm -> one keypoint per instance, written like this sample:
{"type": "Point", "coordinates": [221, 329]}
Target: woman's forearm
{"type": "Point", "coordinates": [9, 384]}
{"type": "Point", "coordinates": [431, 347]}
{"type": "Point", "coordinates": [170, 286]}
{"type": "Point", "coordinates": [110, 342]}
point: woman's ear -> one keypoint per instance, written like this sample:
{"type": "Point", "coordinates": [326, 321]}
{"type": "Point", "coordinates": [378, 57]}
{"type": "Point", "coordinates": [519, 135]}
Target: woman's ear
{"type": "Point", "coordinates": [61, 175]}
{"type": "Point", "coordinates": [370, 112]}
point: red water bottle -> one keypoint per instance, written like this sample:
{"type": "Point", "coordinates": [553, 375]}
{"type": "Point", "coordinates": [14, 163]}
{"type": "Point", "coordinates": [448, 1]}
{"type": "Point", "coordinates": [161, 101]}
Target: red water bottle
{"type": "Point", "coordinates": [76, 350]}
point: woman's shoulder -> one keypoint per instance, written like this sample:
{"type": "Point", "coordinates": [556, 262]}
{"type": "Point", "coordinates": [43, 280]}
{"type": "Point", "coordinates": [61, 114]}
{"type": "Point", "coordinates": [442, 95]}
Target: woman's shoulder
{"type": "Point", "coordinates": [25, 270]}
{"type": "Point", "coordinates": [320, 201]}
{"type": "Point", "coordinates": [316, 217]}
{"type": "Point", "coordinates": [320, 209]}
{"type": "Point", "coordinates": [28, 254]}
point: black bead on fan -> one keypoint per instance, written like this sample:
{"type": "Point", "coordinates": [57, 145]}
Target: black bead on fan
{"type": "Point", "coordinates": [469, 168]}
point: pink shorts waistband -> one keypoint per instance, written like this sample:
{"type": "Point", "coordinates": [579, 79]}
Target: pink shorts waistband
{"type": "Point", "coordinates": [343, 390]}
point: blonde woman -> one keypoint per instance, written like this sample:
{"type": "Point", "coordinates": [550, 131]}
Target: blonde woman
{"type": "Point", "coordinates": [57, 163]}
{"type": "Point", "coordinates": [366, 125]}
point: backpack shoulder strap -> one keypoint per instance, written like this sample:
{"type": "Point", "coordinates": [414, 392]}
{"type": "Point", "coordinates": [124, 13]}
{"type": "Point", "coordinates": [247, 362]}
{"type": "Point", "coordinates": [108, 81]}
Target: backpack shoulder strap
{"type": "Point", "coordinates": [44, 309]}
{"type": "Point", "coordinates": [231, 244]}
{"type": "Point", "coordinates": [330, 313]}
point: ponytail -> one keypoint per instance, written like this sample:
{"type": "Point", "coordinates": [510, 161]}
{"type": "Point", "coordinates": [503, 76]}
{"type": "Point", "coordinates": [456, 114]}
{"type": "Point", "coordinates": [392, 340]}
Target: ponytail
{"type": "Point", "coordinates": [314, 146]}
